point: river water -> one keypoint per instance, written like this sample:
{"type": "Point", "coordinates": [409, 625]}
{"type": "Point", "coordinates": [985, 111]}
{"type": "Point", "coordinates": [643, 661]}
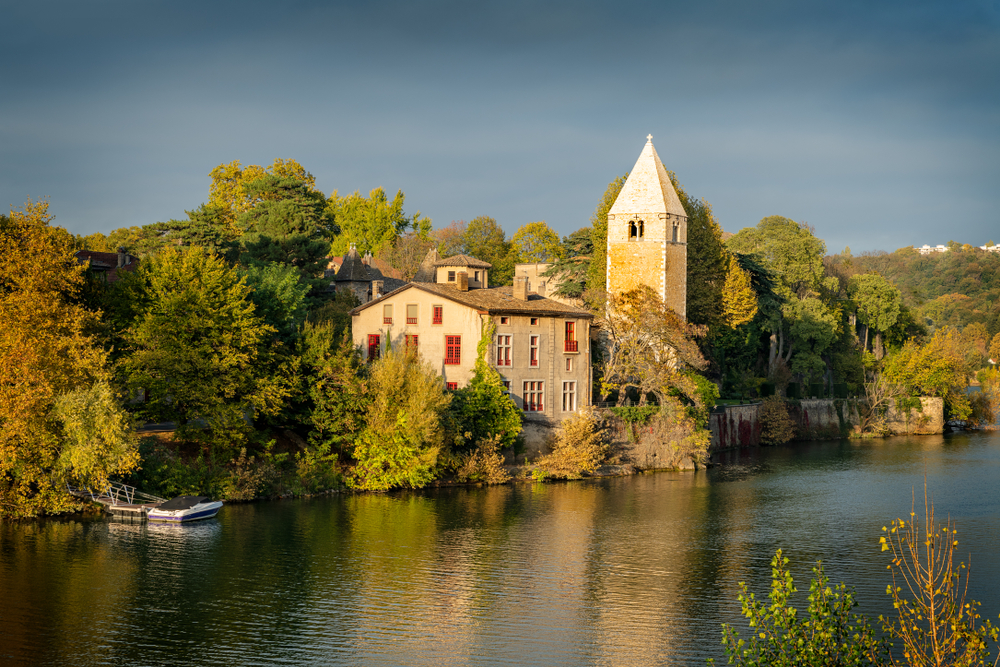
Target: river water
{"type": "Point", "coordinates": [638, 570]}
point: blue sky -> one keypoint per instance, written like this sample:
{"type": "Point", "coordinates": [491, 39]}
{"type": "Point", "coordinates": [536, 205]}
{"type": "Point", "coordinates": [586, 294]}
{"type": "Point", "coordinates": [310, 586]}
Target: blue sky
{"type": "Point", "coordinates": [877, 123]}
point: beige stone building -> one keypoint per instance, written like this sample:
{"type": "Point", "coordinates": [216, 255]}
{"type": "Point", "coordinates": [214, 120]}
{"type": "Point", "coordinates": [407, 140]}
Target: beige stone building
{"type": "Point", "coordinates": [647, 234]}
{"type": "Point", "coordinates": [541, 347]}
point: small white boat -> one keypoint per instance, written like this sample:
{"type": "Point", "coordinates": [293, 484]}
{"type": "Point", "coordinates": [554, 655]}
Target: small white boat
{"type": "Point", "coordinates": [185, 508]}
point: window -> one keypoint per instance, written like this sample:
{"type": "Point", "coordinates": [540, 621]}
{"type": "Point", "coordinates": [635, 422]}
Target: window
{"type": "Point", "coordinates": [411, 341]}
{"type": "Point", "coordinates": [451, 276]}
{"type": "Point", "coordinates": [453, 350]}
{"type": "Point", "coordinates": [533, 350]}
{"type": "Point", "coordinates": [533, 397]}
{"type": "Point", "coordinates": [506, 385]}
{"type": "Point", "coordinates": [534, 321]}
{"type": "Point", "coordinates": [569, 396]}
{"type": "Point", "coordinates": [571, 343]}
{"type": "Point", "coordinates": [387, 314]}
{"type": "Point", "coordinates": [503, 350]}
{"type": "Point", "coordinates": [569, 364]}
{"type": "Point", "coordinates": [452, 386]}
{"type": "Point", "coordinates": [373, 346]}
{"type": "Point", "coordinates": [477, 276]}
{"type": "Point", "coordinates": [504, 320]}
{"type": "Point", "coordinates": [675, 232]}
{"type": "Point", "coordinates": [636, 230]}
{"type": "Point", "coordinates": [438, 315]}
{"type": "Point", "coordinates": [411, 313]}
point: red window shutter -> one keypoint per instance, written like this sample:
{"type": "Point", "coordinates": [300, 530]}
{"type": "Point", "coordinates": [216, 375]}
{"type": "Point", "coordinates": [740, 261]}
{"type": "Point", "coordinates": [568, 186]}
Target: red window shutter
{"type": "Point", "coordinates": [438, 315]}
{"type": "Point", "coordinates": [453, 350]}
{"type": "Point", "coordinates": [373, 346]}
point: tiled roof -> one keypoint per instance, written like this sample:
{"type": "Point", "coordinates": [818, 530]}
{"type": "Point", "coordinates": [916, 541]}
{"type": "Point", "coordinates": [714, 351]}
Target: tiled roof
{"type": "Point", "coordinates": [495, 300]}
{"type": "Point", "coordinates": [353, 269]}
{"type": "Point", "coordinates": [648, 188]}
{"type": "Point", "coordinates": [106, 261]}
{"type": "Point", "coordinates": [463, 260]}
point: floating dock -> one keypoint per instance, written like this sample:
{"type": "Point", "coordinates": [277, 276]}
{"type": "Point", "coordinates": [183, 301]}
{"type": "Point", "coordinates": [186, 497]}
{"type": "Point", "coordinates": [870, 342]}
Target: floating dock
{"type": "Point", "coordinates": [124, 503]}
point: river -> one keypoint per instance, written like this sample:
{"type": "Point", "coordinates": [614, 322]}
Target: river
{"type": "Point", "coordinates": [637, 570]}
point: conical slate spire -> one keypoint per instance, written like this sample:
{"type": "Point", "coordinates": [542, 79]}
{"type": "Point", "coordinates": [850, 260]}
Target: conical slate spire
{"type": "Point", "coordinates": [648, 188]}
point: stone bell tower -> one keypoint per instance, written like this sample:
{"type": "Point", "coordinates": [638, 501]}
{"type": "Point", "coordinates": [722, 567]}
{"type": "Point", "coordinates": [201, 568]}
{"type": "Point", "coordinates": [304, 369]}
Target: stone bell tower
{"type": "Point", "coordinates": [647, 234]}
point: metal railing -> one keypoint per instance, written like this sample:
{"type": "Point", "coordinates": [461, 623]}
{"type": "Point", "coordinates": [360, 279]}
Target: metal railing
{"type": "Point", "coordinates": [116, 493]}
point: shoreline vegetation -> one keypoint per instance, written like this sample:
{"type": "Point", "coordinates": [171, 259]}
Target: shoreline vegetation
{"type": "Point", "coordinates": [224, 324]}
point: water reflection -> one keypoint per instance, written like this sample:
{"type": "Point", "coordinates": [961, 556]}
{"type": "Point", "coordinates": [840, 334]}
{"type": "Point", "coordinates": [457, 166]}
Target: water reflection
{"type": "Point", "coordinates": [637, 570]}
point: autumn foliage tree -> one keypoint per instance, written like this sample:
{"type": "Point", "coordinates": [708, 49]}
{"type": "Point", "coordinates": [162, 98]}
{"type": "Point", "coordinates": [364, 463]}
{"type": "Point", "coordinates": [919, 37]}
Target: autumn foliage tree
{"type": "Point", "coordinates": [45, 355]}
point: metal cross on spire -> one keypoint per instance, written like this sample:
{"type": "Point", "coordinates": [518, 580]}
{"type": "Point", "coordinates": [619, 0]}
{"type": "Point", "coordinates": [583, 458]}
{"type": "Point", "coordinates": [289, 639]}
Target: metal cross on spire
{"type": "Point", "coordinates": [649, 138]}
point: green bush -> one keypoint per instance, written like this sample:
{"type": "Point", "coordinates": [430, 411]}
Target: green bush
{"type": "Point", "coordinates": [776, 426]}
{"type": "Point", "coordinates": [827, 634]}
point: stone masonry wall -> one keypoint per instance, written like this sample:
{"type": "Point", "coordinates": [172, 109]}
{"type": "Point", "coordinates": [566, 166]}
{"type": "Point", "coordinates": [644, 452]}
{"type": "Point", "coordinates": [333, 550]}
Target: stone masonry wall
{"type": "Point", "coordinates": [739, 425]}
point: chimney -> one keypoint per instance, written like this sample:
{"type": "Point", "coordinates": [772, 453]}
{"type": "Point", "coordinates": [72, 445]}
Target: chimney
{"type": "Point", "coordinates": [463, 281]}
{"type": "Point", "coordinates": [122, 257]}
{"type": "Point", "coordinates": [521, 288]}
{"type": "Point", "coordinates": [377, 289]}
{"type": "Point", "coordinates": [541, 288]}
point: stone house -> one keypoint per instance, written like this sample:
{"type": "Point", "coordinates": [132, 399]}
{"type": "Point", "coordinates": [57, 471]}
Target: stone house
{"type": "Point", "coordinates": [541, 347]}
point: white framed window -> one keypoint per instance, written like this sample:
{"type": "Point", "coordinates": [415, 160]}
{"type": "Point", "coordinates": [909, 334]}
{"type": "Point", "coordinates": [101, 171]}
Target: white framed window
{"type": "Point", "coordinates": [569, 397]}
{"type": "Point", "coordinates": [534, 396]}
{"type": "Point", "coordinates": [503, 350]}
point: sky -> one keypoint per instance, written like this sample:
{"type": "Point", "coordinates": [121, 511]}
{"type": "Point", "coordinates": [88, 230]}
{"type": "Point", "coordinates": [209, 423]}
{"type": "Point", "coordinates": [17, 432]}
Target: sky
{"type": "Point", "coordinates": [876, 123]}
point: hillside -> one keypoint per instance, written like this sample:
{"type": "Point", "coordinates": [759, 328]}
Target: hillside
{"type": "Point", "coordinates": [954, 288]}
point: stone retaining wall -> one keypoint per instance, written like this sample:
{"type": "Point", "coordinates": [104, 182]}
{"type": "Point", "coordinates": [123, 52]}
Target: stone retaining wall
{"type": "Point", "coordinates": [815, 419]}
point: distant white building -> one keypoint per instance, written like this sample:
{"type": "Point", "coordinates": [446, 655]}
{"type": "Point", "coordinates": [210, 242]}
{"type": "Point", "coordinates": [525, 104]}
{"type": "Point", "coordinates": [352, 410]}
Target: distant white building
{"type": "Point", "coordinates": [928, 249]}
{"type": "Point", "coordinates": [990, 248]}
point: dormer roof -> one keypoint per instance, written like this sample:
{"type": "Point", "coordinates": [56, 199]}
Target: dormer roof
{"type": "Point", "coordinates": [648, 188]}
{"type": "Point", "coordinates": [463, 260]}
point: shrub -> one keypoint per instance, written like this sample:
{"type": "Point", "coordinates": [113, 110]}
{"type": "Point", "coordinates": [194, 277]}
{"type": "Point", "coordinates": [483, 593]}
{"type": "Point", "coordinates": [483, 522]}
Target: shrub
{"type": "Point", "coordinates": [775, 424]}
{"type": "Point", "coordinates": [828, 633]}
{"type": "Point", "coordinates": [484, 463]}
{"type": "Point", "coordinates": [581, 444]}
{"type": "Point", "coordinates": [247, 477]}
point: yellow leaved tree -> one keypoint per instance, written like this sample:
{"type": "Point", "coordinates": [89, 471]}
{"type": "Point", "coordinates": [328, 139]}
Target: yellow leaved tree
{"type": "Point", "coordinates": [229, 180]}
{"type": "Point", "coordinates": [45, 354]}
{"type": "Point", "coordinates": [739, 301]}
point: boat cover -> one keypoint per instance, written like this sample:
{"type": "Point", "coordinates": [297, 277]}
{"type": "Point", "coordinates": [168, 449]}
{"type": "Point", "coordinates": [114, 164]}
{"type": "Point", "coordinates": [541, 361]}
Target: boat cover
{"type": "Point", "coordinates": [182, 502]}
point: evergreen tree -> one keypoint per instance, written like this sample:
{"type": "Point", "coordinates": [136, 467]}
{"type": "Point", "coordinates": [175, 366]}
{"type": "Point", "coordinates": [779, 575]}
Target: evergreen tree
{"type": "Point", "coordinates": [597, 274]}
{"type": "Point", "coordinates": [288, 226]}
{"type": "Point", "coordinates": [572, 268]}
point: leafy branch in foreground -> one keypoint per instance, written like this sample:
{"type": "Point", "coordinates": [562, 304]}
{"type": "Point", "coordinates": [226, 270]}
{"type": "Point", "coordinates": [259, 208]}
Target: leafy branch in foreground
{"type": "Point", "coordinates": [828, 634]}
{"type": "Point", "coordinates": [936, 624]}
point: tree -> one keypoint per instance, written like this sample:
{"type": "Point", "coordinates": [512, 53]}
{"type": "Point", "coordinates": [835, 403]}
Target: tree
{"type": "Point", "coordinates": [789, 250]}
{"type": "Point", "coordinates": [403, 435]}
{"type": "Point", "coordinates": [650, 349]}
{"type": "Point", "coordinates": [483, 410]}
{"type": "Point", "coordinates": [288, 226]}
{"type": "Point", "coordinates": [813, 327]}
{"type": "Point", "coordinates": [794, 257]}
{"type": "Point", "coordinates": [535, 243]}
{"type": "Point", "coordinates": [371, 223]}
{"type": "Point", "coordinates": [572, 267]}
{"type": "Point", "coordinates": [451, 239]}
{"type": "Point", "coordinates": [279, 296]}
{"type": "Point", "coordinates": [195, 347]}
{"type": "Point", "coordinates": [995, 349]}
{"type": "Point", "coordinates": [407, 252]}
{"type": "Point", "coordinates": [336, 386]}
{"type": "Point", "coordinates": [486, 240]}
{"type": "Point", "coordinates": [936, 368]}
{"type": "Point", "coordinates": [877, 301]}
{"type": "Point", "coordinates": [739, 301]}
{"type": "Point", "coordinates": [597, 275]}
{"type": "Point", "coordinates": [98, 438]}
{"type": "Point", "coordinates": [44, 354]}
{"type": "Point", "coordinates": [207, 226]}
{"type": "Point", "coordinates": [707, 259]}
{"type": "Point", "coordinates": [229, 192]}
